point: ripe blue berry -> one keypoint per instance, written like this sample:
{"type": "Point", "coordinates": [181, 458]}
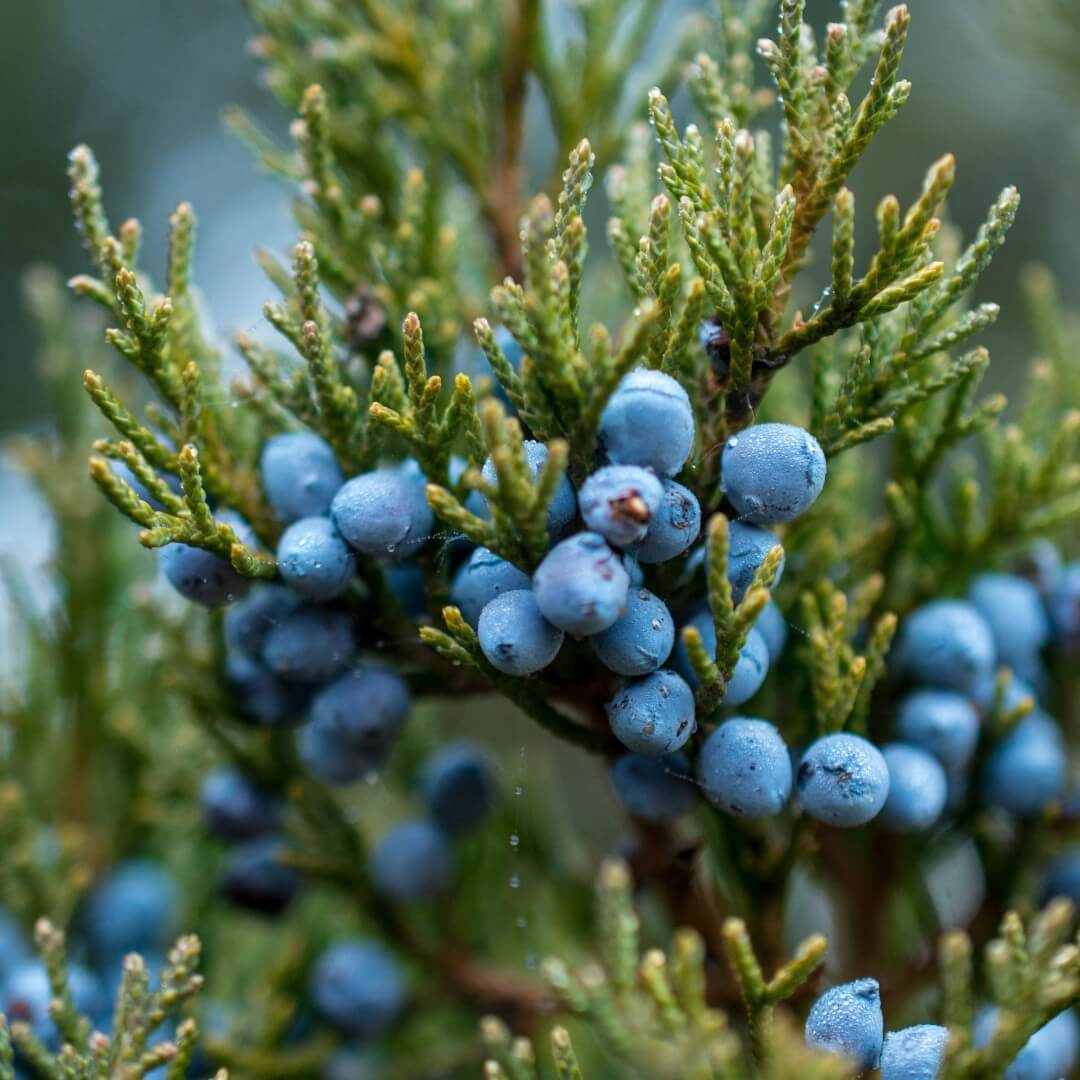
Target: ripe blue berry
{"type": "Point", "coordinates": [299, 474]}
{"type": "Point", "coordinates": [914, 1053]}
{"type": "Point", "coordinates": [745, 768]}
{"type": "Point", "coordinates": [648, 421]}
{"type": "Point", "coordinates": [457, 784]}
{"type": "Point", "coordinates": [384, 513]}
{"type": "Point", "coordinates": [1064, 605]}
{"type": "Point", "coordinates": [1014, 611]}
{"type": "Point", "coordinates": [562, 510]}
{"type": "Point", "coordinates": [773, 628]}
{"type": "Point", "coordinates": [941, 721]}
{"type": "Point", "coordinates": [203, 577]}
{"type": "Point", "coordinates": [843, 780]}
{"type": "Point", "coordinates": [406, 581]}
{"type": "Point", "coordinates": [515, 637]}
{"type": "Point", "coordinates": [674, 526]}
{"type": "Point", "coordinates": [331, 758]}
{"type": "Point", "coordinates": [257, 880]}
{"type": "Point", "coordinates": [483, 577]}
{"type": "Point", "coordinates": [132, 910]}
{"type": "Point", "coordinates": [748, 545]}
{"type": "Point", "coordinates": [1062, 878]}
{"type": "Point", "coordinates": [1028, 768]}
{"type": "Point", "coordinates": [847, 1020]}
{"type": "Point", "coordinates": [633, 570]}
{"type": "Point", "coordinates": [1049, 1054]}
{"type": "Point", "coordinates": [261, 698]}
{"type": "Point", "coordinates": [581, 586]}
{"type": "Point", "coordinates": [917, 788]}
{"type": "Point", "coordinates": [27, 994]}
{"type": "Point", "coordinates": [772, 472]}
{"type": "Point", "coordinates": [619, 501]}
{"type": "Point", "coordinates": [412, 861]}
{"type": "Point", "coordinates": [358, 986]}
{"type": "Point", "coordinates": [947, 643]}
{"type": "Point", "coordinates": [641, 640]}
{"type": "Point", "coordinates": [654, 715]}
{"type": "Point", "coordinates": [750, 669]}
{"type": "Point", "coordinates": [236, 808]}
{"type": "Point", "coordinates": [654, 788]}
{"type": "Point", "coordinates": [314, 559]}
{"type": "Point", "coordinates": [311, 645]}
{"type": "Point", "coordinates": [248, 621]}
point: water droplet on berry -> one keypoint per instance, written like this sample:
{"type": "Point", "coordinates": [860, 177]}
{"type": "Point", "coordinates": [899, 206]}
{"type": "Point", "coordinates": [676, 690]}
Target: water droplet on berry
{"type": "Point", "coordinates": [515, 881]}
{"type": "Point", "coordinates": [518, 790]}
{"type": "Point", "coordinates": [514, 840]}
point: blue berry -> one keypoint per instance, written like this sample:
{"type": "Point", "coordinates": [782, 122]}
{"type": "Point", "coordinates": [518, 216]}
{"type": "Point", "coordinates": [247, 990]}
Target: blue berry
{"type": "Point", "coordinates": [772, 472]}
{"type": "Point", "coordinates": [562, 510]}
{"type": "Point", "coordinates": [648, 421]}
{"type": "Point", "coordinates": [581, 586]}
{"type": "Point", "coordinates": [745, 768]}
{"type": "Point", "coordinates": [248, 621]}
{"type": "Point", "coordinates": [918, 788]}
{"type": "Point", "coordinates": [654, 788]}
{"type": "Point", "coordinates": [641, 640]}
{"type": "Point", "coordinates": [843, 780]}
{"type": "Point", "coordinates": [750, 669]}
{"type": "Point", "coordinates": [914, 1053]}
{"type": "Point", "coordinates": [331, 758]}
{"type": "Point", "coordinates": [457, 784]}
{"type": "Point", "coordinates": [748, 545]}
{"type": "Point", "coordinates": [1064, 605]}
{"type": "Point", "coordinates": [947, 643]}
{"type": "Point", "coordinates": [1062, 878]}
{"type": "Point", "coordinates": [1049, 1054]}
{"type": "Point", "coordinates": [654, 715]}
{"type": "Point", "coordinates": [483, 577]}
{"type": "Point", "coordinates": [847, 1020]}
{"type": "Point", "coordinates": [358, 986]}
{"type": "Point", "coordinates": [236, 808]}
{"type": "Point", "coordinates": [27, 994]}
{"type": "Point", "coordinates": [132, 910]}
{"type": "Point", "coordinates": [203, 577]}
{"type": "Point", "coordinates": [384, 513]}
{"type": "Point", "coordinates": [311, 645]}
{"type": "Point", "coordinates": [299, 474]}
{"type": "Point", "coordinates": [412, 861]}
{"type": "Point", "coordinates": [619, 501]}
{"type": "Point", "coordinates": [773, 628]}
{"type": "Point", "coordinates": [1014, 611]}
{"type": "Point", "coordinates": [515, 637]}
{"type": "Point", "coordinates": [673, 528]}
{"type": "Point", "coordinates": [406, 581]}
{"type": "Point", "coordinates": [257, 880]}
{"type": "Point", "coordinates": [1028, 768]}
{"type": "Point", "coordinates": [261, 698]}
{"type": "Point", "coordinates": [314, 559]}
{"type": "Point", "coordinates": [941, 721]}
{"type": "Point", "coordinates": [633, 570]}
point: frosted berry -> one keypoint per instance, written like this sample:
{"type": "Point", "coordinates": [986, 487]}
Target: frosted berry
{"type": "Point", "coordinates": [248, 621]}
{"type": "Point", "coordinates": [581, 586]}
{"type": "Point", "coordinates": [1028, 768]}
{"type": "Point", "coordinates": [750, 669]}
{"type": "Point", "coordinates": [946, 643]}
{"type": "Point", "coordinates": [358, 986]}
{"type": "Point", "coordinates": [1049, 1054]}
{"type": "Point", "coordinates": [673, 527]}
{"type": "Point", "coordinates": [132, 910]}
{"type": "Point", "coordinates": [745, 768]}
{"type": "Point", "coordinates": [847, 1020]}
{"type": "Point", "coordinates": [914, 1053]}
{"type": "Point", "coordinates": [1064, 605]}
{"type": "Point", "coordinates": [654, 715]}
{"type": "Point", "coordinates": [311, 645]}
{"type": "Point", "coordinates": [648, 421]}
{"type": "Point", "coordinates": [843, 780]}
{"type": "Point", "coordinates": [412, 861]}
{"type": "Point", "coordinates": [457, 784]}
{"type": "Point", "coordinates": [562, 510]}
{"type": "Point", "coordinates": [201, 576]}
{"type": "Point", "coordinates": [772, 472]}
{"type": "Point", "coordinates": [941, 721]}
{"type": "Point", "coordinates": [654, 788]}
{"type": "Point", "coordinates": [299, 474]}
{"type": "Point", "coordinates": [619, 501]}
{"type": "Point", "coordinates": [918, 788]}
{"type": "Point", "coordinates": [773, 628]}
{"type": "Point", "coordinates": [482, 577]}
{"type": "Point", "coordinates": [260, 697]}
{"type": "Point", "coordinates": [236, 808]}
{"type": "Point", "coordinates": [384, 513]}
{"type": "Point", "coordinates": [515, 637]}
{"type": "Point", "coordinates": [748, 545]}
{"type": "Point", "coordinates": [406, 581]}
{"type": "Point", "coordinates": [314, 560]}
{"type": "Point", "coordinates": [1014, 611]}
{"type": "Point", "coordinates": [641, 640]}
{"type": "Point", "coordinates": [27, 994]}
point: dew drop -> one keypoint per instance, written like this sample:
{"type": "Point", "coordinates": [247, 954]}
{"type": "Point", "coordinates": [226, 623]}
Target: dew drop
{"type": "Point", "coordinates": [515, 881]}
{"type": "Point", "coordinates": [514, 840]}
{"type": "Point", "coordinates": [521, 922]}
{"type": "Point", "coordinates": [518, 790]}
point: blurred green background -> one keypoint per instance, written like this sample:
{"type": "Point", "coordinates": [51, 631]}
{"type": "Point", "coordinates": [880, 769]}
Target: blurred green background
{"type": "Point", "coordinates": [144, 82]}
